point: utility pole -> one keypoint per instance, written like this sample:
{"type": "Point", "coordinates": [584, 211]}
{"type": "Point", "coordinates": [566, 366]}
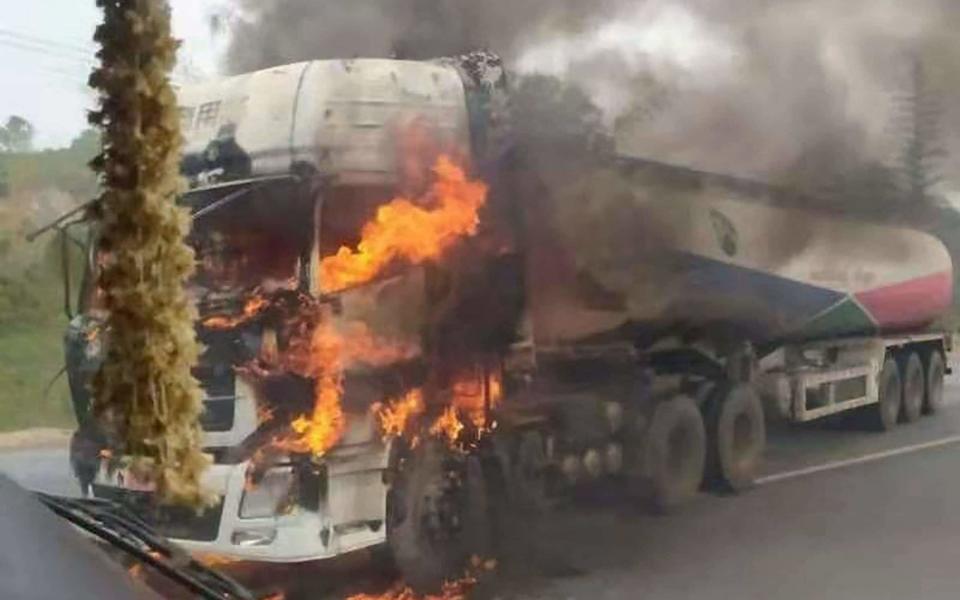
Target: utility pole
{"type": "Point", "coordinates": [920, 153]}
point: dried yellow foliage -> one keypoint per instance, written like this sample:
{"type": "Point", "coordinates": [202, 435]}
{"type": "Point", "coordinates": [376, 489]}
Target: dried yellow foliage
{"type": "Point", "coordinates": [145, 395]}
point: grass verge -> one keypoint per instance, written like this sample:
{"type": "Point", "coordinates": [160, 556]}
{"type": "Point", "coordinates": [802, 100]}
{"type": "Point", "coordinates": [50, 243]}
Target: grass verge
{"type": "Point", "coordinates": [31, 355]}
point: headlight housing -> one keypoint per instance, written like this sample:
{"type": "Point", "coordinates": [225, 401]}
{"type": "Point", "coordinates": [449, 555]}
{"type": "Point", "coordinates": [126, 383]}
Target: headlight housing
{"type": "Point", "coordinates": [273, 495]}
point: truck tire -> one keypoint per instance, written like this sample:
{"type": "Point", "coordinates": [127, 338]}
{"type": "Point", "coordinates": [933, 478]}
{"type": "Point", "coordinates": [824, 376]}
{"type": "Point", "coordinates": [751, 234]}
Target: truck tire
{"type": "Point", "coordinates": [674, 453]}
{"type": "Point", "coordinates": [934, 374]}
{"type": "Point", "coordinates": [528, 482]}
{"type": "Point", "coordinates": [889, 390]}
{"type": "Point", "coordinates": [437, 516]}
{"type": "Point", "coordinates": [911, 371]}
{"type": "Point", "coordinates": [736, 437]}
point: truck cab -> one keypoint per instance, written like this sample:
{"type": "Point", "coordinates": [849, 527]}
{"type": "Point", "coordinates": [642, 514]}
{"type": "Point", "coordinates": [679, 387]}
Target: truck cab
{"type": "Point", "coordinates": [284, 167]}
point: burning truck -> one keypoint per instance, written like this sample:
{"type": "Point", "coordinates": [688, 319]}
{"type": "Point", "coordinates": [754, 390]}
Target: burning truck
{"type": "Point", "coordinates": [405, 327]}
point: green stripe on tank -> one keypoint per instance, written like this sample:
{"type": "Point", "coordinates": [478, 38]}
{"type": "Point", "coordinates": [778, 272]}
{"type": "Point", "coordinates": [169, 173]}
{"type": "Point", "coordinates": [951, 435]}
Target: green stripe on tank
{"type": "Point", "coordinates": [845, 318]}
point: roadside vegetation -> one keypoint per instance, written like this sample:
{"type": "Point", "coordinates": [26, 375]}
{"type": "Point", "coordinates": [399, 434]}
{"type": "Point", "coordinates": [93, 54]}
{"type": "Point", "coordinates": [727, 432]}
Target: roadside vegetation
{"type": "Point", "coordinates": [35, 187]}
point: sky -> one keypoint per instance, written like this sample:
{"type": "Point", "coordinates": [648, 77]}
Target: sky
{"type": "Point", "coordinates": [47, 52]}
{"type": "Point", "coordinates": [45, 60]}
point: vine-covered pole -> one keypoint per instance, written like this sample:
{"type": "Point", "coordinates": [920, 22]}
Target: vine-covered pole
{"type": "Point", "coordinates": [145, 395]}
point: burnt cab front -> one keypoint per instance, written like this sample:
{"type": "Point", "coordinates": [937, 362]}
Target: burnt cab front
{"type": "Point", "coordinates": [286, 166]}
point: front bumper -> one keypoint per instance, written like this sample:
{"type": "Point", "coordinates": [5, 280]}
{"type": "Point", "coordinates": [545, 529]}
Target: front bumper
{"type": "Point", "coordinates": [303, 535]}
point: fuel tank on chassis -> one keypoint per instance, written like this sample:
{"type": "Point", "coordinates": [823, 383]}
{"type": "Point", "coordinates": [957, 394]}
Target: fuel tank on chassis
{"type": "Point", "coordinates": [640, 250]}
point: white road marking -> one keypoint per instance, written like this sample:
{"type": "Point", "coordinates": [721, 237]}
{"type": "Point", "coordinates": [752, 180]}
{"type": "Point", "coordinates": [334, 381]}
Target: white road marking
{"type": "Point", "coordinates": [830, 466]}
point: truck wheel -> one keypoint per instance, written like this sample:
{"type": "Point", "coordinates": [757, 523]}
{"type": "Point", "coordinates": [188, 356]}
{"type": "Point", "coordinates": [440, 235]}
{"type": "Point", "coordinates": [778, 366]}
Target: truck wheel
{"type": "Point", "coordinates": [887, 410]}
{"type": "Point", "coordinates": [911, 370]}
{"type": "Point", "coordinates": [437, 516]}
{"type": "Point", "coordinates": [737, 437]}
{"type": "Point", "coordinates": [529, 478]}
{"type": "Point", "coordinates": [933, 396]}
{"type": "Point", "coordinates": [674, 453]}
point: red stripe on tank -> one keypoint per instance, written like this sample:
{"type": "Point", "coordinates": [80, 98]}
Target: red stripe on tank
{"type": "Point", "coordinates": [911, 303]}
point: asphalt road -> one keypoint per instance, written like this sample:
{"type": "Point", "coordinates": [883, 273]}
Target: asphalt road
{"type": "Point", "coordinates": [883, 530]}
{"type": "Point", "coordinates": [843, 513]}
{"type": "Point", "coordinates": [41, 469]}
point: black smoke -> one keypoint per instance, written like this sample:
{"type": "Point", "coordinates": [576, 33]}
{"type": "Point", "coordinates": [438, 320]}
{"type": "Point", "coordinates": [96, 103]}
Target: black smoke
{"type": "Point", "coordinates": [750, 87]}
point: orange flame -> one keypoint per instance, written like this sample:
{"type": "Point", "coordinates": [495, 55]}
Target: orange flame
{"type": "Point", "coordinates": [136, 570]}
{"type": "Point", "coordinates": [329, 354]}
{"type": "Point", "coordinates": [455, 590]}
{"type": "Point", "coordinates": [451, 590]}
{"type": "Point", "coordinates": [253, 307]}
{"type": "Point", "coordinates": [448, 425]}
{"type": "Point", "coordinates": [269, 348]}
{"type": "Point", "coordinates": [402, 230]}
{"type": "Point", "coordinates": [321, 430]}
{"type": "Point", "coordinates": [258, 302]}
{"type": "Point", "coordinates": [394, 417]}
{"type": "Point", "coordinates": [264, 413]}
{"type": "Point", "coordinates": [470, 397]}
{"type": "Point", "coordinates": [468, 404]}
{"type": "Point", "coordinates": [214, 560]}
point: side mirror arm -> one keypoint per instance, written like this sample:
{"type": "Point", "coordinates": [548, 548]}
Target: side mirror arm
{"type": "Point", "coordinates": [65, 266]}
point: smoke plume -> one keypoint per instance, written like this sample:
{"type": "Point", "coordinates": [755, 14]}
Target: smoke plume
{"type": "Point", "coordinates": [269, 32]}
{"type": "Point", "coordinates": [748, 87]}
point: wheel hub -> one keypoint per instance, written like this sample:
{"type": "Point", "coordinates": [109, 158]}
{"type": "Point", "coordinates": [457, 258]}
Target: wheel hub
{"type": "Point", "coordinates": [443, 511]}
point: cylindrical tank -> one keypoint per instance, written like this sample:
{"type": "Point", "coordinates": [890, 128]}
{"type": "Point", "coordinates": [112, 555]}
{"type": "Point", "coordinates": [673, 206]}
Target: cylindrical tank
{"type": "Point", "coordinates": [648, 252]}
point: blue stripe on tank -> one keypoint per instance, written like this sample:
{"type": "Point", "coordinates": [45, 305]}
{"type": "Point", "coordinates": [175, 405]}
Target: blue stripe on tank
{"type": "Point", "coordinates": [786, 296]}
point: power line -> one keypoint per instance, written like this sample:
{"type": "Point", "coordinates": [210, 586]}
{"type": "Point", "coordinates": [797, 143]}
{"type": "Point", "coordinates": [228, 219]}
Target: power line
{"type": "Point", "coordinates": [86, 50]}
{"type": "Point", "coordinates": [65, 75]}
{"type": "Point", "coordinates": [61, 74]}
{"type": "Point", "coordinates": [46, 51]}
{"type": "Point", "coordinates": [34, 47]}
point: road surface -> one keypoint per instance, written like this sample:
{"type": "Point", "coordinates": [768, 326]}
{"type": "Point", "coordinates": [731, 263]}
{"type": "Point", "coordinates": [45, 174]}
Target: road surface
{"type": "Point", "coordinates": [882, 529]}
{"type": "Point", "coordinates": [42, 469]}
{"type": "Point", "coordinates": [840, 513]}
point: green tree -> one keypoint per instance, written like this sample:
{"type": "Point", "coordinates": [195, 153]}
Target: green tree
{"type": "Point", "coordinates": [16, 135]}
{"type": "Point", "coordinates": [918, 120]}
{"type": "Point", "coordinates": [4, 180]}
{"type": "Point", "coordinates": [834, 173]}
{"type": "Point", "coordinates": [87, 143]}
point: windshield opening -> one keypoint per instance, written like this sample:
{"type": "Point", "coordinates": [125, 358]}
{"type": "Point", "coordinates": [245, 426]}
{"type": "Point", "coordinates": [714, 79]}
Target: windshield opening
{"type": "Point", "coordinates": [345, 211]}
{"type": "Point", "coordinates": [258, 239]}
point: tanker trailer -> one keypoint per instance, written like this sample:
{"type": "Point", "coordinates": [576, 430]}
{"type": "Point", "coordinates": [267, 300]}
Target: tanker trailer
{"type": "Point", "coordinates": [696, 306]}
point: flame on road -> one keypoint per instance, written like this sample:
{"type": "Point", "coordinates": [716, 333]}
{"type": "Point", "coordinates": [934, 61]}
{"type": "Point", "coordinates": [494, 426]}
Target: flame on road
{"type": "Point", "coordinates": [457, 590]}
{"type": "Point", "coordinates": [214, 560]}
{"type": "Point", "coordinates": [451, 590]}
